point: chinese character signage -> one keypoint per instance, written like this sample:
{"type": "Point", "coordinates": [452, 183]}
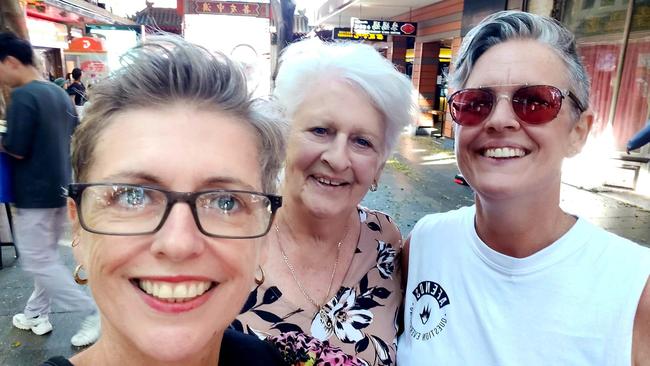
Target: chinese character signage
{"type": "Point", "coordinates": [385, 27]}
{"type": "Point", "coordinates": [346, 33]}
{"type": "Point", "coordinates": [259, 10]}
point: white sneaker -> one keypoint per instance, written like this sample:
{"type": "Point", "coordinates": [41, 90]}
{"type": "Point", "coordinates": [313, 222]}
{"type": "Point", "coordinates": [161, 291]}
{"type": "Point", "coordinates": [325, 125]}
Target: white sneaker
{"type": "Point", "coordinates": [88, 333]}
{"type": "Point", "coordinates": [39, 325]}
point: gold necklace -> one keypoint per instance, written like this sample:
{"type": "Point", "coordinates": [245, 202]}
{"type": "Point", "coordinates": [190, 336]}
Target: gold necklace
{"type": "Point", "coordinates": [293, 271]}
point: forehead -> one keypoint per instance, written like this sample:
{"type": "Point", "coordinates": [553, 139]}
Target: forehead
{"type": "Point", "coordinates": [519, 62]}
{"type": "Point", "coordinates": [338, 101]}
{"type": "Point", "coordinates": [182, 146]}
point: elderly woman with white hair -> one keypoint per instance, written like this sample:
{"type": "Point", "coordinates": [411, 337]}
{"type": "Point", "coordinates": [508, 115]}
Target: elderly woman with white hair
{"type": "Point", "coordinates": [331, 278]}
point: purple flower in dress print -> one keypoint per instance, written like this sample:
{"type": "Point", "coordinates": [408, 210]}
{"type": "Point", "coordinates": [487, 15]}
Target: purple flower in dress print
{"type": "Point", "coordinates": [341, 316]}
{"type": "Point", "coordinates": [299, 349]}
{"type": "Point", "coordinates": [385, 259]}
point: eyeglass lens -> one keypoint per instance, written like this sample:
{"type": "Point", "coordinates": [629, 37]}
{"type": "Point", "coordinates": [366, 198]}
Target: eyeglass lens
{"type": "Point", "coordinates": [131, 210]}
{"type": "Point", "coordinates": [535, 104]}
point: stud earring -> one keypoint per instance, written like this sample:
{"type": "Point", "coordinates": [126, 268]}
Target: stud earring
{"type": "Point", "coordinates": [373, 186]}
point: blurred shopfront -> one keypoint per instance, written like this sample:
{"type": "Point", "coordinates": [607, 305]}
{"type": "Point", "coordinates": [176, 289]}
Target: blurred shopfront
{"type": "Point", "coordinates": [613, 38]}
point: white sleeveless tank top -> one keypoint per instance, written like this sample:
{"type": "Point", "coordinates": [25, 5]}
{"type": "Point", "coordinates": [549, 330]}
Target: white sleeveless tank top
{"type": "Point", "coordinates": [572, 303]}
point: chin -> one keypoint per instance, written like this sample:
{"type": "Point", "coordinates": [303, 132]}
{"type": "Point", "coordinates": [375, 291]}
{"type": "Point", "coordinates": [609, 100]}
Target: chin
{"type": "Point", "coordinates": [174, 345]}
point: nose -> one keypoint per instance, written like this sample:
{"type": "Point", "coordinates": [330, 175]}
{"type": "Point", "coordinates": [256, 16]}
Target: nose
{"type": "Point", "coordinates": [336, 154]}
{"type": "Point", "coordinates": [179, 238]}
{"type": "Point", "coordinates": [503, 117]}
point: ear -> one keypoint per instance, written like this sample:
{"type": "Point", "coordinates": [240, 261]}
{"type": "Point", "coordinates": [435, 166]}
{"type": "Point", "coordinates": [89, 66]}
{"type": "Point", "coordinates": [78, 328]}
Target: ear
{"type": "Point", "coordinates": [380, 169]}
{"type": "Point", "coordinates": [579, 133]}
{"type": "Point", "coordinates": [73, 215]}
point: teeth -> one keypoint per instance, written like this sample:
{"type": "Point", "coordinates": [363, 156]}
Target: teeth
{"type": "Point", "coordinates": [174, 292]}
{"type": "Point", "coordinates": [504, 152]}
{"type": "Point", "coordinates": [328, 181]}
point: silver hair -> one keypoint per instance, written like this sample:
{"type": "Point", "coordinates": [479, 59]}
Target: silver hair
{"type": "Point", "coordinates": [165, 70]}
{"type": "Point", "coordinates": [305, 63]}
{"type": "Point", "coordinates": [516, 25]}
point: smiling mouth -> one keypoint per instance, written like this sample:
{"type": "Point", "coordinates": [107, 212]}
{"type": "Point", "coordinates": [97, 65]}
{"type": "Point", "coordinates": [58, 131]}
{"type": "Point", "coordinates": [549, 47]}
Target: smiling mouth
{"type": "Point", "coordinates": [177, 292]}
{"type": "Point", "coordinates": [330, 182]}
{"type": "Point", "coordinates": [504, 153]}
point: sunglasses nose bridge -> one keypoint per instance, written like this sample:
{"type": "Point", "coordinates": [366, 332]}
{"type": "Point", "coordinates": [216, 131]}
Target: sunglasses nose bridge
{"type": "Point", "coordinates": [502, 116]}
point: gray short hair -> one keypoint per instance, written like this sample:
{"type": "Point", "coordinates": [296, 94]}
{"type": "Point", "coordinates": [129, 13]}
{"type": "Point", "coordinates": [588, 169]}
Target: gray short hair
{"type": "Point", "coordinates": [516, 25]}
{"type": "Point", "coordinates": [166, 70]}
{"type": "Point", "coordinates": [391, 92]}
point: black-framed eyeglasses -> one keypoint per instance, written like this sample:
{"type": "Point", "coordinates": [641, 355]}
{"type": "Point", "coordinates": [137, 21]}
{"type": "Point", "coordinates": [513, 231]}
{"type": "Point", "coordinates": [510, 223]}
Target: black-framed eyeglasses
{"type": "Point", "coordinates": [533, 104]}
{"type": "Point", "coordinates": [132, 209]}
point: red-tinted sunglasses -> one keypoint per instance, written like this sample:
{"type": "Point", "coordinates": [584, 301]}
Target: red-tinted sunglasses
{"type": "Point", "coordinates": [533, 104]}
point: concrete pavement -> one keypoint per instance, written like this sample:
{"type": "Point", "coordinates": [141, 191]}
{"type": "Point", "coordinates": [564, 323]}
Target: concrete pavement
{"type": "Point", "coordinates": [417, 180]}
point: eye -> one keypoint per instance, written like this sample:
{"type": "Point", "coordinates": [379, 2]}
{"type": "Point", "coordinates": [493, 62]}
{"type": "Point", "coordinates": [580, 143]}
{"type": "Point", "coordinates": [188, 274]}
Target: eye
{"type": "Point", "coordinates": [129, 197]}
{"type": "Point", "coordinates": [319, 131]}
{"type": "Point", "coordinates": [360, 141]}
{"type": "Point", "coordinates": [223, 202]}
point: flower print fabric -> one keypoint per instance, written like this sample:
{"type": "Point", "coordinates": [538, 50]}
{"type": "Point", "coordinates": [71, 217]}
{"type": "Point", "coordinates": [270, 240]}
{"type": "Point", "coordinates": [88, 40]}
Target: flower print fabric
{"type": "Point", "coordinates": [357, 326]}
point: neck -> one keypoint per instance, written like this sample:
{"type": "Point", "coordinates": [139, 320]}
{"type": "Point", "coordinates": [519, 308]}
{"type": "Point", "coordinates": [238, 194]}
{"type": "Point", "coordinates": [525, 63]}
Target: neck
{"type": "Point", "coordinates": [521, 226]}
{"type": "Point", "coordinates": [295, 220]}
{"type": "Point", "coordinates": [113, 349]}
{"type": "Point", "coordinates": [28, 75]}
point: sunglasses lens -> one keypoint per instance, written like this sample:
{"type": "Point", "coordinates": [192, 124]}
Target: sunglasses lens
{"type": "Point", "coordinates": [470, 107]}
{"type": "Point", "coordinates": [537, 104]}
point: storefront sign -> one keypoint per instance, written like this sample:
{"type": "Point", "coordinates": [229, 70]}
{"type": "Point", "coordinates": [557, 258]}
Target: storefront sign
{"type": "Point", "coordinates": [47, 34]}
{"type": "Point", "coordinates": [385, 27]}
{"type": "Point", "coordinates": [346, 33]}
{"type": "Point", "coordinates": [259, 10]}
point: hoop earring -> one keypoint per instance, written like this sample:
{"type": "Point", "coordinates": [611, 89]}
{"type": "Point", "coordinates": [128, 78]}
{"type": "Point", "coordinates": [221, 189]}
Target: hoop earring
{"type": "Point", "coordinates": [75, 241]}
{"type": "Point", "coordinates": [259, 281]}
{"type": "Point", "coordinates": [373, 186]}
{"type": "Point", "coordinates": [77, 278]}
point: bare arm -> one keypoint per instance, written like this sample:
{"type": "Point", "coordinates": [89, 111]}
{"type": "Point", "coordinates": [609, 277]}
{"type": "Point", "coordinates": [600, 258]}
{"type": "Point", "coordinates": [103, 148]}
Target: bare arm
{"type": "Point", "coordinates": [641, 333]}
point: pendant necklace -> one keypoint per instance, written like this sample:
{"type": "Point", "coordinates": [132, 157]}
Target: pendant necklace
{"type": "Point", "coordinates": [293, 271]}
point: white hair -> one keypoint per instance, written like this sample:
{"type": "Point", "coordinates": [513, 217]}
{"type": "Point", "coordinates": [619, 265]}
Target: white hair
{"type": "Point", "coordinates": [305, 63]}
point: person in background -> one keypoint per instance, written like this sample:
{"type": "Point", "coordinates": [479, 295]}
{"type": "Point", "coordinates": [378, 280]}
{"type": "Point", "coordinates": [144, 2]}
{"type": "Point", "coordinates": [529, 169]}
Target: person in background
{"type": "Point", "coordinates": [333, 280]}
{"type": "Point", "coordinates": [60, 82]}
{"type": "Point", "coordinates": [77, 90]}
{"type": "Point", "coordinates": [640, 138]}
{"type": "Point", "coordinates": [168, 224]}
{"type": "Point", "coordinates": [40, 120]}
{"type": "Point", "coordinates": [515, 280]}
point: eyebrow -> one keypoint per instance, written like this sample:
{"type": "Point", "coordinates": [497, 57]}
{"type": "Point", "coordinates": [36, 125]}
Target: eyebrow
{"type": "Point", "coordinates": [154, 180]}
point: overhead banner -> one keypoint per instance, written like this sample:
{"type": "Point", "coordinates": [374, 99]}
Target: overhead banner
{"type": "Point", "coordinates": [259, 10]}
{"type": "Point", "coordinates": [346, 33]}
{"type": "Point", "coordinates": [385, 27]}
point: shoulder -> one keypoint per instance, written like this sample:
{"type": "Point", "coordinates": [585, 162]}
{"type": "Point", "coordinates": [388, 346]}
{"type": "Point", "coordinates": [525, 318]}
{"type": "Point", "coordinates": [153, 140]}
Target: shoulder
{"type": "Point", "coordinates": [57, 361]}
{"type": "Point", "coordinates": [244, 349]}
{"type": "Point", "coordinates": [641, 337]}
{"type": "Point", "coordinates": [381, 223]}
{"type": "Point", "coordinates": [449, 219]}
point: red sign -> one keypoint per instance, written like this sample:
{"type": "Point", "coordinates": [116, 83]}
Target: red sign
{"type": "Point", "coordinates": [259, 10]}
{"type": "Point", "coordinates": [86, 44]}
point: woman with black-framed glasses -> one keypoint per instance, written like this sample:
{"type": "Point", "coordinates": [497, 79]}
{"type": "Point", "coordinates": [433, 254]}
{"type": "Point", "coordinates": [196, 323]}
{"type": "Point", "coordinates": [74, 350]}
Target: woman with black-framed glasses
{"type": "Point", "coordinates": [175, 172]}
{"type": "Point", "coordinates": [514, 279]}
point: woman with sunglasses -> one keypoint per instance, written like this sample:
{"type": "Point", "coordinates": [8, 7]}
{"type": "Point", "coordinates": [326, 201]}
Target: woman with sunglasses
{"type": "Point", "coordinates": [515, 280]}
{"type": "Point", "coordinates": [174, 165]}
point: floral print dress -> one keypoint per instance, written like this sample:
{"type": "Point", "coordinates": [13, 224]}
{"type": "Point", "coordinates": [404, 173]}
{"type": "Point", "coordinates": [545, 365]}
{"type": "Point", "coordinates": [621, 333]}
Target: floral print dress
{"type": "Point", "coordinates": [357, 326]}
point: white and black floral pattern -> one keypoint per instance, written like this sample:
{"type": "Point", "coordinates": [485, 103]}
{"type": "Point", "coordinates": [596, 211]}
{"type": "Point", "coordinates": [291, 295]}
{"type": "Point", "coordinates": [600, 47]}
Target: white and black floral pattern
{"type": "Point", "coordinates": [386, 259]}
{"type": "Point", "coordinates": [360, 319]}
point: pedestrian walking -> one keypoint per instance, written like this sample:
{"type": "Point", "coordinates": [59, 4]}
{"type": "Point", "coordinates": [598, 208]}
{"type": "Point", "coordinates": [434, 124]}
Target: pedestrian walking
{"type": "Point", "coordinates": [514, 279]}
{"type": "Point", "coordinates": [40, 121]}
{"type": "Point", "coordinates": [77, 90]}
